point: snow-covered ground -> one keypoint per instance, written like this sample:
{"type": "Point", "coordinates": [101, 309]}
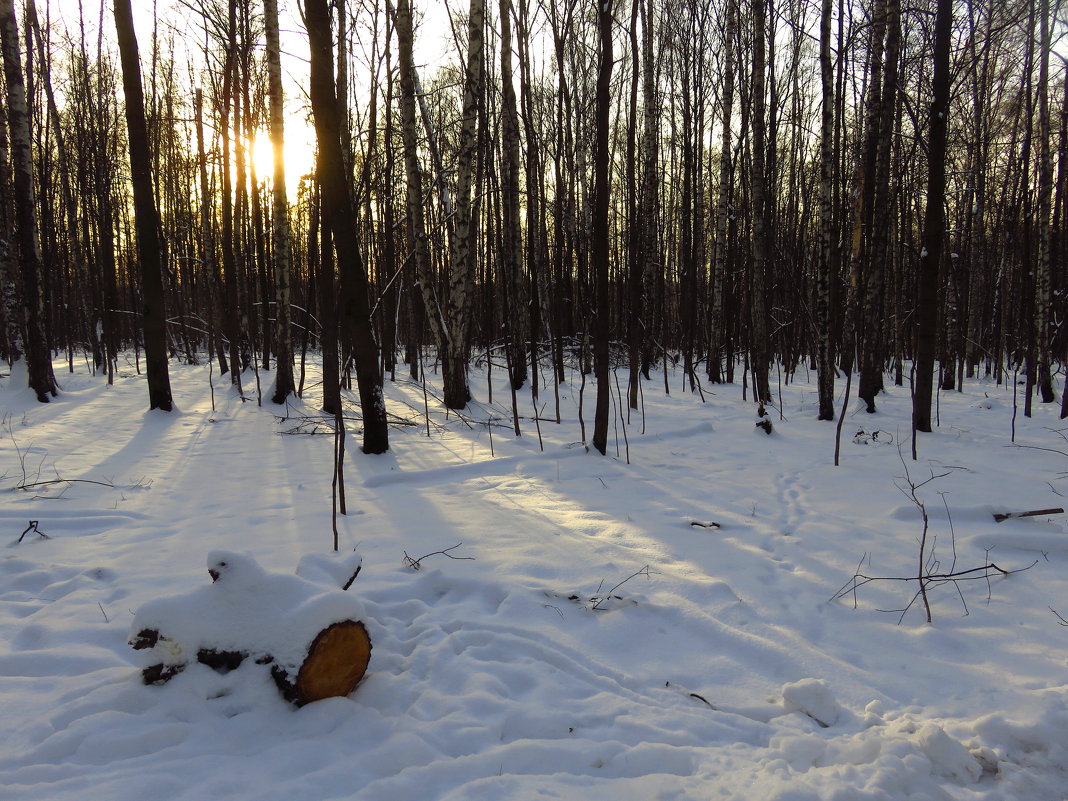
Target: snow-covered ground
{"type": "Point", "coordinates": [719, 667]}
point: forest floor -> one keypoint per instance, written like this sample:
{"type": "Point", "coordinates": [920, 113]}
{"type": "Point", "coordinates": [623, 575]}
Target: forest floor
{"type": "Point", "coordinates": [588, 641]}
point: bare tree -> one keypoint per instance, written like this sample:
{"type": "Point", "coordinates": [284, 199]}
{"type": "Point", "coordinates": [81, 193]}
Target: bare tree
{"type": "Point", "coordinates": [825, 364]}
{"type": "Point", "coordinates": [149, 247]}
{"type": "Point", "coordinates": [724, 203]}
{"type": "Point", "coordinates": [600, 233]}
{"type": "Point", "coordinates": [934, 220]}
{"type": "Point", "coordinates": [417, 236]}
{"type": "Point", "coordinates": [35, 344]}
{"type": "Point", "coordinates": [759, 346]}
{"type": "Point", "coordinates": [1043, 282]}
{"type": "Point", "coordinates": [284, 384]}
{"type": "Point", "coordinates": [884, 103]}
{"type": "Point", "coordinates": [462, 241]}
{"type": "Point", "coordinates": [511, 231]}
{"type": "Point", "coordinates": [336, 200]}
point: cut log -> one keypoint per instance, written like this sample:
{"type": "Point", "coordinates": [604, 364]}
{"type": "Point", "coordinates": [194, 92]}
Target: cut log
{"type": "Point", "coordinates": [336, 661]}
{"type": "Point", "coordinates": [1033, 513]}
{"type": "Point", "coordinates": [310, 634]}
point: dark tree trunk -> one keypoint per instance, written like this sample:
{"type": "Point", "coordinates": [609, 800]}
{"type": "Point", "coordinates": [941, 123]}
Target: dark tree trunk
{"type": "Point", "coordinates": [825, 362]}
{"type": "Point", "coordinates": [759, 346]}
{"type": "Point", "coordinates": [284, 384]}
{"type": "Point", "coordinates": [326, 285]}
{"type": "Point", "coordinates": [11, 313]}
{"type": "Point", "coordinates": [417, 237]}
{"type": "Point", "coordinates": [231, 313]}
{"type": "Point", "coordinates": [934, 221]}
{"type": "Point", "coordinates": [149, 247]}
{"type": "Point", "coordinates": [600, 232]}
{"type": "Point", "coordinates": [535, 184]}
{"type": "Point", "coordinates": [1043, 277]}
{"type": "Point", "coordinates": [207, 244]}
{"type": "Point", "coordinates": [872, 355]}
{"type": "Point", "coordinates": [718, 332]}
{"type": "Point", "coordinates": [634, 238]}
{"type": "Point", "coordinates": [336, 200]}
{"type": "Point", "coordinates": [511, 230]}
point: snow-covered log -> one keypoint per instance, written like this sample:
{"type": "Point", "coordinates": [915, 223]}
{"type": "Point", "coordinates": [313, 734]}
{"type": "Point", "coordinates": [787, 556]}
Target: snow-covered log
{"type": "Point", "coordinates": [310, 633]}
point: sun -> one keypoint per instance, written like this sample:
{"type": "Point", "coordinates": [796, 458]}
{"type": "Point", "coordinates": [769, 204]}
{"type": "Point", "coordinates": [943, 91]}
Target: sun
{"type": "Point", "coordinates": [263, 156]}
{"type": "Point", "coordinates": [298, 153]}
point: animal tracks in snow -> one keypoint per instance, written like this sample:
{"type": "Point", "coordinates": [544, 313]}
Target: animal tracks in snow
{"type": "Point", "coordinates": [790, 494]}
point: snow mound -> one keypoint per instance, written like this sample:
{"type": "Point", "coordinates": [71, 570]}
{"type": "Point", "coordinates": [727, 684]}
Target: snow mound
{"type": "Point", "coordinates": [948, 757]}
{"type": "Point", "coordinates": [812, 697]}
{"type": "Point", "coordinates": [896, 756]}
{"type": "Point", "coordinates": [333, 569]}
{"type": "Point", "coordinates": [266, 615]}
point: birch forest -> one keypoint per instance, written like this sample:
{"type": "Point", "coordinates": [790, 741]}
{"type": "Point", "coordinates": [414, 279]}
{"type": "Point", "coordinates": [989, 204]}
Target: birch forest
{"type": "Point", "coordinates": [868, 190]}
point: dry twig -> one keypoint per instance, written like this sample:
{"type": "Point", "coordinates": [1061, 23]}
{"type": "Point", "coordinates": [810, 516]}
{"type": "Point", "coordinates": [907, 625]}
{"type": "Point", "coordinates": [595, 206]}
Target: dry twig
{"type": "Point", "coordinates": [415, 564]}
{"type": "Point", "coordinates": [33, 527]}
{"type": "Point", "coordinates": [598, 600]}
{"type": "Point", "coordinates": [928, 574]}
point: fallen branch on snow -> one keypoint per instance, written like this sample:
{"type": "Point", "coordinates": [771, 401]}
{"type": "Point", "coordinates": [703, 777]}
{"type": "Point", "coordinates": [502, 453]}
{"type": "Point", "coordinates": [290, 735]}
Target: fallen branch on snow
{"type": "Point", "coordinates": [415, 564]}
{"type": "Point", "coordinates": [929, 580]}
{"type": "Point", "coordinates": [927, 574]}
{"type": "Point", "coordinates": [33, 527]}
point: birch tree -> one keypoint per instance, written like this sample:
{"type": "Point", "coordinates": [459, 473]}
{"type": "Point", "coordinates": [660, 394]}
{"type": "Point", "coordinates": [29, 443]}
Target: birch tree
{"type": "Point", "coordinates": [462, 243]}
{"type": "Point", "coordinates": [34, 345]}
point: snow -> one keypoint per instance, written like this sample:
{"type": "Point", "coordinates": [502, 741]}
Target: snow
{"type": "Point", "coordinates": [579, 638]}
{"type": "Point", "coordinates": [812, 697]}
{"type": "Point", "coordinates": [333, 569]}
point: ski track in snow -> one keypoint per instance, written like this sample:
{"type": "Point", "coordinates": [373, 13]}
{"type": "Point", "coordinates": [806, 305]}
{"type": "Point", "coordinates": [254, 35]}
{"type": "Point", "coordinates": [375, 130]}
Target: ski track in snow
{"type": "Point", "coordinates": [511, 675]}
